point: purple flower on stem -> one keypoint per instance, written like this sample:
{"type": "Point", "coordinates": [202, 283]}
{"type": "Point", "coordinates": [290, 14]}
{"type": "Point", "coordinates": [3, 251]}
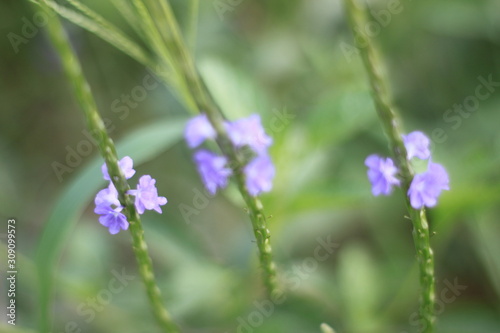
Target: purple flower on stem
{"type": "Point", "coordinates": [417, 145]}
{"type": "Point", "coordinates": [249, 131]}
{"type": "Point", "coordinates": [107, 197]}
{"type": "Point", "coordinates": [198, 129]}
{"type": "Point", "coordinates": [259, 175]}
{"type": "Point", "coordinates": [382, 174]}
{"type": "Point", "coordinates": [109, 207]}
{"type": "Point", "coordinates": [112, 218]}
{"type": "Point", "coordinates": [212, 169]}
{"type": "Point", "coordinates": [146, 195]}
{"type": "Point", "coordinates": [126, 165]}
{"type": "Point", "coordinates": [426, 187]}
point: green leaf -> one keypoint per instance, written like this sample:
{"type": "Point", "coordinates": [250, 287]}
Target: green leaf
{"type": "Point", "coordinates": [233, 90]}
{"type": "Point", "coordinates": [142, 145]}
{"type": "Point", "coordinates": [358, 285]}
{"type": "Point", "coordinates": [337, 117]}
{"type": "Point", "coordinates": [485, 231]}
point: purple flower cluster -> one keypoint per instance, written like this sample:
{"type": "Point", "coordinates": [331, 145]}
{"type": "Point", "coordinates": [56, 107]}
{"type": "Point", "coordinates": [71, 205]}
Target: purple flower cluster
{"type": "Point", "coordinates": [109, 207]}
{"type": "Point", "coordinates": [425, 187]}
{"type": "Point", "coordinates": [213, 169]}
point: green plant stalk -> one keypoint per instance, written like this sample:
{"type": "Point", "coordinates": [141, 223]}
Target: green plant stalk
{"type": "Point", "coordinates": [94, 122]}
{"type": "Point", "coordinates": [180, 57]}
{"type": "Point", "coordinates": [194, 8]}
{"type": "Point", "coordinates": [390, 121]}
{"type": "Point", "coordinates": [205, 103]}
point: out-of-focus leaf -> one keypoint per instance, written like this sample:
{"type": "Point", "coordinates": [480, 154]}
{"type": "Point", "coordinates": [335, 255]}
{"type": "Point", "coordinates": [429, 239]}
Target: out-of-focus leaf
{"type": "Point", "coordinates": [234, 91]}
{"type": "Point", "coordinates": [470, 318]}
{"type": "Point", "coordinates": [485, 232]}
{"type": "Point", "coordinates": [455, 18]}
{"type": "Point", "coordinates": [341, 115]}
{"type": "Point", "coordinates": [358, 287]}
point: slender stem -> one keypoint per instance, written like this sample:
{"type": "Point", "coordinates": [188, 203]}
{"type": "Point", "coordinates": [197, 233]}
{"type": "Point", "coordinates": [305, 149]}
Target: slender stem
{"type": "Point", "coordinates": [107, 149]}
{"type": "Point", "coordinates": [390, 121]}
{"type": "Point", "coordinates": [262, 236]}
{"type": "Point", "coordinates": [197, 91]}
{"type": "Point", "coordinates": [194, 8]}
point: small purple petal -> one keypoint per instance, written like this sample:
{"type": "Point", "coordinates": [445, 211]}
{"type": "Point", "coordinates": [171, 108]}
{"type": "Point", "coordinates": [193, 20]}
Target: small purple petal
{"type": "Point", "coordinates": [382, 174]}
{"type": "Point", "coordinates": [106, 197]}
{"type": "Point", "coordinates": [126, 165]}
{"type": "Point", "coordinates": [198, 129]}
{"type": "Point", "coordinates": [259, 175]}
{"type": "Point", "coordinates": [146, 195]}
{"type": "Point", "coordinates": [417, 145]}
{"type": "Point", "coordinates": [372, 161]}
{"type": "Point", "coordinates": [113, 219]}
{"type": "Point", "coordinates": [212, 169]}
{"type": "Point", "coordinates": [426, 187]}
{"type": "Point", "coordinates": [249, 132]}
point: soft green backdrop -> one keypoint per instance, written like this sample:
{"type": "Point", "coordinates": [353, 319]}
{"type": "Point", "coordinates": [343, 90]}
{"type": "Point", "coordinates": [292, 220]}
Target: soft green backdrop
{"type": "Point", "coordinates": [276, 58]}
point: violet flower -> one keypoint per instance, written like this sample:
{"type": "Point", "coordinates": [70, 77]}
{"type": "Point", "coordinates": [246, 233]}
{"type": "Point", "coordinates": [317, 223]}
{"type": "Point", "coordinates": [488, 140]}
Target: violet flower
{"type": "Point", "coordinates": [249, 132]}
{"type": "Point", "coordinates": [417, 145]}
{"type": "Point", "coordinates": [126, 165]}
{"type": "Point", "coordinates": [107, 197]}
{"type": "Point", "coordinates": [146, 195]}
{"type": "Point", "coordinates": [382, 174]}
{"type": "Point", "coordinates": [112, 218]}
{"type": "Point", "coordinates": [108, 206]}
{"type": "Point", "coordinates": [213, 170]}
{"type": "Point", "coordinates": [259, 175]}
{"type": "Point", "coordinates": [198, 129]}
{"type": "Point", "coordinates": [426, 187]}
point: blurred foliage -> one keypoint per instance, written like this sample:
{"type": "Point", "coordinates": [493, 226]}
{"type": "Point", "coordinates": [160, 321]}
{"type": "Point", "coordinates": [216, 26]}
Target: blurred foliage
{"type": "Point", "coordinates": [276, 58]}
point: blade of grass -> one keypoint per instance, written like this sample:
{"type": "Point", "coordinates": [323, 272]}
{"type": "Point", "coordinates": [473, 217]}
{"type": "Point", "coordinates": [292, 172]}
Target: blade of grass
{"type": "Point", "coordinates": [192, 28]}
{"type": "Point", "coordinates": [93, 16]}
{"type": "Point", "coordinates": [155, 35]}
{"type": "Point", "coordinates": [103, 29]}
{"type": "Point", "coordinates": [126, 11]}
{"type": "Point", "coordinates": [115, 38]}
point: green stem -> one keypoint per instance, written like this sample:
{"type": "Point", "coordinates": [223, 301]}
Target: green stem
{"type": "Point", "coordinates": [194, 8]}
{"type": "Point", "coordinates": [107, 149]}
{"type": "Point", "coordinates": [390, 121]}
{"type": "Point", "coordinates": [197, 92]}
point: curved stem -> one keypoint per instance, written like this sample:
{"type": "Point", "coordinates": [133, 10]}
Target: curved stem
{"type": "Point", "coordinates": [196, 90]}
{"type": "Point", "coordinates": [107, 149]}
{"type": "Point", "coordinates": [390, 121]}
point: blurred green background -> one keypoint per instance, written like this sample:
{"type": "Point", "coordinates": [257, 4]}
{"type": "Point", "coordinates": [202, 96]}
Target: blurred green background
{"type": "Point", "coordinates": [276, 58]}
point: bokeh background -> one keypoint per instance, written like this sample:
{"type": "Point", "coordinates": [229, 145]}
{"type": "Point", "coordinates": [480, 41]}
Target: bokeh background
{"type": "Point", "coordinates": [287, 60]}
